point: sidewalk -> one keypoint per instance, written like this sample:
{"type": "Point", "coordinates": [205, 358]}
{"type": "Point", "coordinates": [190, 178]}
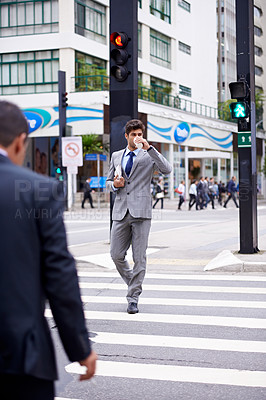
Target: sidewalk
{"type": "Point", "coordinates": [201, 249]}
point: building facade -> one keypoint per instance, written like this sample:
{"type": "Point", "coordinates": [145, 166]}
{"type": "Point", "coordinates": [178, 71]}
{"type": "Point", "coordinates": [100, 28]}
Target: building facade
{"type": "Point", "coordinates": [177, 49]}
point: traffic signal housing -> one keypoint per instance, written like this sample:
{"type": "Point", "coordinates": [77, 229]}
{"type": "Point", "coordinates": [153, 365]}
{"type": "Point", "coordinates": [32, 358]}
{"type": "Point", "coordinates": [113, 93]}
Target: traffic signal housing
{"type": "Point", "coordinates": [239, 91]}
{"type": "Point", "coordinates": [119, 55]}
{"type": "Point", "coordinates": [239, 109]}
{"type": "Point", "coordinates": [59, 173]}
{"type": "Point", "coordinates": [64, 99]}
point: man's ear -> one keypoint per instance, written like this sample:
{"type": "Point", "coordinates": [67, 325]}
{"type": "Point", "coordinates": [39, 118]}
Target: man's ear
{"type": "Point", "coordinates": [20, 143]}
{"type": "Point", "coordinates": [126, 136]}
{"type": "Point", "coordinates": [16, 151]}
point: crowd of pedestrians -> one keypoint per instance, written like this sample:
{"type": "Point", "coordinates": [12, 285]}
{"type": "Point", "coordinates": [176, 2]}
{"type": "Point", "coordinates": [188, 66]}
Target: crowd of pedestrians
{"type": "Point", "coordinates": [207, 190]}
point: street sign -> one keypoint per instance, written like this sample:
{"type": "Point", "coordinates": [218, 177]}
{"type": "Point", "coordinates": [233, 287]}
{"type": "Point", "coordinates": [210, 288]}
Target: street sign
{"type": "Point", "coordinates": [91, 157]}
{"type": "Point", "coordinates": [103, 157]}
{"type": "Point", "coordinates": [72, 170]}
{"type": "Point", "coordinates": [244, 139]}
{"type": "Point", "coordinates": [72, 154]}
{"type": "Point", "coordinates": [98, 182]}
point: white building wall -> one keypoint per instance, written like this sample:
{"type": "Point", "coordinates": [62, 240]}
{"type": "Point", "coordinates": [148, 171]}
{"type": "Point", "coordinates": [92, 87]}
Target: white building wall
{"type": "Point", "coordinates": [198, 71]}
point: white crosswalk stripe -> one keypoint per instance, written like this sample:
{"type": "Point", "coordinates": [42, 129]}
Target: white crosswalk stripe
{"type": "Point", "coordinates": [177, 288]}
{"type": "Point", "coordinates": [232, 332]}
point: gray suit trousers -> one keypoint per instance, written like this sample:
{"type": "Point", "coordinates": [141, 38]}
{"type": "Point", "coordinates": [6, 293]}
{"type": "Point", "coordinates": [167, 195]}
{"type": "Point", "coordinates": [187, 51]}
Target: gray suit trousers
{"type": "Point", "coordinates": [136, 231]}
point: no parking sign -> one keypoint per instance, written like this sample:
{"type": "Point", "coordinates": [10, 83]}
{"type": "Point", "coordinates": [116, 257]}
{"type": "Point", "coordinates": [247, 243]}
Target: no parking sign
{"type": "Point", "coordinates": [72, 151]}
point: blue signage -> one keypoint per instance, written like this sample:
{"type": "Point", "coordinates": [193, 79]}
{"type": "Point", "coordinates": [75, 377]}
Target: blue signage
{"type": "Point", "coordinates": [91, 157]}
{"type": "Point", "coordinates": [103, 157]}
{"type": "Point", "coordinates": [94, 182]}
{"type": "Point", "coordinates": [34, 120]}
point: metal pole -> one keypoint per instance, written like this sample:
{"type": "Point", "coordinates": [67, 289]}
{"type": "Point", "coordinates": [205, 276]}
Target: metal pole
{"type": "Point", "coordinates": [62, 127]}
{"type": "Point", "coordinates": [247, 155]}
{"type": "Point", "coordinates": [98, 175]}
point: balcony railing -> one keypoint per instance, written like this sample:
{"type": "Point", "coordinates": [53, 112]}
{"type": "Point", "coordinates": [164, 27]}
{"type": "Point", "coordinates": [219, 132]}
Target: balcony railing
{"type": "Point", "coordinates": [101, 82]}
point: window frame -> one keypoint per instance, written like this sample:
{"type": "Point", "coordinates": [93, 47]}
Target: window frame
{"type": "Point", "coordinates": [185, 48]}
{"type": "Point", "coordinates": [154, 9]}
{"type": "Point", "coordinates": [185, 5]}
{"type": "Point", "coordinates": [34, 25]}
{"type": "Point", "coordinates": [83, 27]}
{"type": "Point", "coordinates": [166, 41]}
{"type": "Point", "coordinates": [185, 91]}
{"type": "Point", "coordinates": [35, 61]}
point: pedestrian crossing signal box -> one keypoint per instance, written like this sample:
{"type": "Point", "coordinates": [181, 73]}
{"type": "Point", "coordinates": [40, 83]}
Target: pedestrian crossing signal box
{"type": "Point", "coordinates": [244, 139]}
{"type": "Point", "coordinates": [239, 110]}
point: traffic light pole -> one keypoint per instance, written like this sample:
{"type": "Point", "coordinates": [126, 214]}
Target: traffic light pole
{"type": "Point", "coordinates": [62, 125]}
{"type": "Point", "coordinates": [123, 94]}
{"type": "Point", "coordinates": [247, 129]}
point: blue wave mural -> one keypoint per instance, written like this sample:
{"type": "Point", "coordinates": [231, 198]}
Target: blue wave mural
{"type": "Point", "coordinates": [75, 119]}
{"type": "Point", "coordinates": [224, 146]}
{"type": "Point", "coordinates": [160, 131]}
{"type": "Point", "coordinates": [210, 136]}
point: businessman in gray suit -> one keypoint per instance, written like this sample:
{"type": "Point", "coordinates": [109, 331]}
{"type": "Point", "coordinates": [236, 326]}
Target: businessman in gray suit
{"type": "Point", "coordinates": [130, 174]}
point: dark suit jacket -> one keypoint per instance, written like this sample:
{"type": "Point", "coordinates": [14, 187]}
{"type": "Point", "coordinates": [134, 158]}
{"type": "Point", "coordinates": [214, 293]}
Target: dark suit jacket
{"type": "Point", "coordinates": [35, 265]}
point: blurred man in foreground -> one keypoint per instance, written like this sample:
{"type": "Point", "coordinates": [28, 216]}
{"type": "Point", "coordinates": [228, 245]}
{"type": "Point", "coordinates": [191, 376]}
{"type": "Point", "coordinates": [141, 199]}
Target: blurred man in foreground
{"type": "Point", "coordinates": [35, 266]}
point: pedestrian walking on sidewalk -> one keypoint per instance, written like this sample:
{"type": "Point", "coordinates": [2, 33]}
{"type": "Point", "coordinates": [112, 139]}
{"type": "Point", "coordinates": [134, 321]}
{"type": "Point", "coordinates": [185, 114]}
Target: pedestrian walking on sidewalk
{"type": "Point", "coordinates": [159, 192]}
{"type": "Point", "coordinates": [181, 192]}
{"type": "Point", "coordinates": [192, 194]}
{"type": "Point", "coordinates": [35, 266]}
{"type": "Point", "coordinates": [130, 174]}
{"type": "Point", "coordinates": [87, 193]}
{"type": "Point", "coordinates": [231, 189]}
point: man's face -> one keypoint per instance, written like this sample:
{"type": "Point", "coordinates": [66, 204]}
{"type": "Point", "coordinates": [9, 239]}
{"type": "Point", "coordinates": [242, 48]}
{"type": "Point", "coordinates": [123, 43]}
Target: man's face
{"type": "Point", "coordinates": [131, 136]}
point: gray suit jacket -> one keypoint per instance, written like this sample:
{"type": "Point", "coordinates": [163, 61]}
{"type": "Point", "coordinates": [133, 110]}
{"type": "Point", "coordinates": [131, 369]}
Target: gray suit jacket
{"type": "Point", "coordinates": [135, 196]}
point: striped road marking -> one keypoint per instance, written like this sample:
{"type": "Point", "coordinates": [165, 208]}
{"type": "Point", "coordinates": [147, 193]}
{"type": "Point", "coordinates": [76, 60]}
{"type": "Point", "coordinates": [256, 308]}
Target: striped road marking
{"type": "Point", "coordinates": [176, 288]}
{"type": "Point", "coordinates": [213, 376]}
{"type": "Point", "coordinates": [252, 323]}
{"type": "Point", "coordinates": [177, 302]}
{"type": "Point", "coordinates": [180, 342]}
{"type": "Point", "coordinates": [202, 277]}
{"type": "Point", "coordinates": [64, 398]}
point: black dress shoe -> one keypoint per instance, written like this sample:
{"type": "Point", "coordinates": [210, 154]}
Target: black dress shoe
{"type": "Point", "coordinates": [132, 308]}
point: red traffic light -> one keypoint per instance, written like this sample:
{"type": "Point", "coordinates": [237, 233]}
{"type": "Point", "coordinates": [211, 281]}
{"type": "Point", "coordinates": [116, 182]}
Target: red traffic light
{"type": "Point", "coordinates": [119, 39]}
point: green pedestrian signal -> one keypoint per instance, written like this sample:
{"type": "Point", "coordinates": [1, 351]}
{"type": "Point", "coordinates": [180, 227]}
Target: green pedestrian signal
{"type": "Point", "coordinates": [58, 170]}
{"type": "Point", "coordinates": [239, 110]}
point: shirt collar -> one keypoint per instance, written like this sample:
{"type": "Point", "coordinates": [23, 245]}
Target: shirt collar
{"type": "Point", "coordinates": [136, 152]}
{"type": "Point", "coordinates": [3, 152]}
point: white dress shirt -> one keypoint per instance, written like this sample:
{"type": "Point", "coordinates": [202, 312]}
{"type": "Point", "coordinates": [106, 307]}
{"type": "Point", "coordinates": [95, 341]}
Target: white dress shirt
{"type": "Point", "coordinates": [3, 152]}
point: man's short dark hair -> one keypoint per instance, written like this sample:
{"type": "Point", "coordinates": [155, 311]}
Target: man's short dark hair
{"type": "Point", "coordinates": [133, 125]}
{"type": "Point", "coordinates": [12, 123]}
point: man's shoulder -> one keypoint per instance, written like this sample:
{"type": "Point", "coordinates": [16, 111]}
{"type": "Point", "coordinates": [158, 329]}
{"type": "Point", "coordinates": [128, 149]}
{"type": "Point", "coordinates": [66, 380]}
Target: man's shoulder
{"type": "Point", "coordinates": [14, 171]}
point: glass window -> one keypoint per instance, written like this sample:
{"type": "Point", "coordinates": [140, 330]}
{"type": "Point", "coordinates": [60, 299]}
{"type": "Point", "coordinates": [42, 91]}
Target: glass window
{"type": "Point", "coordinates": [139, 40]}
{"type": "Point", "coordinates": [184, 47]}
{"type": "Point", "coordinates": [90, 20]}
{"type": "Point", "coordinates": [160, 49]}
{"type": "Point", "coordinates": [184, 90]}
{"type": "Point", "coordinates": [161, 9]}
{"type": "Point", "coordinates": [258, 51]}
{"type": "Point", "coordinates": [139, 3]}
{"type": "Point", "coordinates": [32, 72]}
{"type": "Point", "coordinates": [257, 12]}
{"type": "Point", "coordinates": [160, 84]}
{"type": "Point", "coordinates": [28, 17]}
{"type": "Point", "coordinates": [258, 70]}
{"type": "Point", "coordinates": [257, 31]}
{"type": "Point", "coordinates": [184, 4]}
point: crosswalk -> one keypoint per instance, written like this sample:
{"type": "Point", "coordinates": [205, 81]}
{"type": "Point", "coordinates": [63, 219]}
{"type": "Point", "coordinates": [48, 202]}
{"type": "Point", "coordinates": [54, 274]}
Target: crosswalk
{"type": "Point", "coordinates": [195, 336]}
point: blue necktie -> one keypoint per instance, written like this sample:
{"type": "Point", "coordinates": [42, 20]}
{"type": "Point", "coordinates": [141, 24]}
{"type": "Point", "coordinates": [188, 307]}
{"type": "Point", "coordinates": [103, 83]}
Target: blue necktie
{"type": "Point", "coordinates": [129, 163]}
